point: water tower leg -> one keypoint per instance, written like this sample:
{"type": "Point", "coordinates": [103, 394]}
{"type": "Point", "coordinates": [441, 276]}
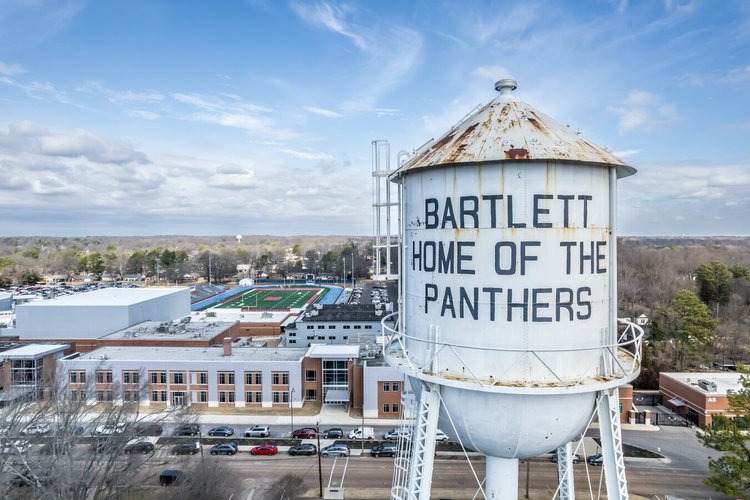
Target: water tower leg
{"type": "Point", "coordinates": [565, 472]}
{"type": "Point", "coordinates": [423, 436]}
{"type": "Point", "coordinates": [502, 478]}
{"type": "Point", "coordinates": [611, 436]}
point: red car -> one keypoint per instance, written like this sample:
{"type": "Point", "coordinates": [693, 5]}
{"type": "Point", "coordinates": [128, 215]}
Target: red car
{"type": "Point", "coordinates": [265, 449]}
{"type": "Point", "coordinates": [304, 433]}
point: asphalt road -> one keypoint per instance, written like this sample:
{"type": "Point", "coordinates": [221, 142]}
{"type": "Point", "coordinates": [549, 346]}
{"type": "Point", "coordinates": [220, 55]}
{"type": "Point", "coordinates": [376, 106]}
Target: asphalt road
{"type": "Point", "coordinates": [372, 476]}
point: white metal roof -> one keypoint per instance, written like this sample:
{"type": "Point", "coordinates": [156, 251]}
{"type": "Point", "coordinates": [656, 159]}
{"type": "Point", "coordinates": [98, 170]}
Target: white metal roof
{"type": "Point", "coordinates": [511, 130]}
{"type": "Point", "coordinates": [173, 354]}
{"type": "Point", "coordinates": [333, 351]}
{"type": "Point", "coordinates": [107, 297]}
{"type": "Point", "coordinates": [724, 381]}
{"type": "Point", "coordinates": [32, 351]}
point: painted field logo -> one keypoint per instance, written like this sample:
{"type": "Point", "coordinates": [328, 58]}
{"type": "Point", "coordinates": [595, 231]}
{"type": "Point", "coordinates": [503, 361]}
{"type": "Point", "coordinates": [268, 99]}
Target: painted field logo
{"type": "Point", "coordinates": [272, 298]}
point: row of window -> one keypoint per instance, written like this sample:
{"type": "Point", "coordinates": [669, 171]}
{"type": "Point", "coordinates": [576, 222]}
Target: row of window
{"type": "Point", "coordinates": [178, 378]}
{"type": "Point", "coordinates": [320, 337]}
{"type": "Point", "coordinates": [333, 327]}
{"type": "Point", "coordinates": [391, 386]}
{"type": "Point", "coordinates": [390, 408]}
{"type": "Point", "coordinates": [200, 396]}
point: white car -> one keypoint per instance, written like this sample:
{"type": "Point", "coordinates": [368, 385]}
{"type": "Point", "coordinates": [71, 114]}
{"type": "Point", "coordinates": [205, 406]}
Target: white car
{"type": "Point", "coordinates": [17, 446]}
{"type": "Point", "coordinates": [440, 436]}
{"type": "Point", "coordinates": [36, 429]}
{"type": "Point", "coordinates": [399, 432]}
{"type": "Point", "coordinates": [108, 430]}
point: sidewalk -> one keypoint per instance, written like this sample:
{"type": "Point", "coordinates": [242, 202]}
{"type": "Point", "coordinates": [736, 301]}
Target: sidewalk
{"type": "Point", "coordinates": [329, 416]}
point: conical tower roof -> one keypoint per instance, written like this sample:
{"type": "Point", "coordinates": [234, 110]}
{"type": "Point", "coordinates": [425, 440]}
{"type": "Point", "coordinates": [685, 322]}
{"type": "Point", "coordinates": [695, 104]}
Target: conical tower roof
{"type": "Point", "coordinates": [510, 130]}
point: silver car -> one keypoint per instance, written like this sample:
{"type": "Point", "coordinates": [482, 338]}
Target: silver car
{"type": "Point", "coordinates": [335, 450]}
{"type": "Point", "coordinates": [258, 431]}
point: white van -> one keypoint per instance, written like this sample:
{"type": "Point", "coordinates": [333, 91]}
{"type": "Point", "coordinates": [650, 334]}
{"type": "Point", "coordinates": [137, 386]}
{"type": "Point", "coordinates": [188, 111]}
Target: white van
{"type": "Point", "coordinates": [368, 432]}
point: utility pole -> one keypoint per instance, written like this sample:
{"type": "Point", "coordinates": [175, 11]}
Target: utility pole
{"type": "Point", "coordinates": [320, 468]}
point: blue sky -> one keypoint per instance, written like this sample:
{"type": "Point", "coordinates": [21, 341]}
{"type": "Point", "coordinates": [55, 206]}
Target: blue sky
{"type": "Point", "coordinates": [256, 117]}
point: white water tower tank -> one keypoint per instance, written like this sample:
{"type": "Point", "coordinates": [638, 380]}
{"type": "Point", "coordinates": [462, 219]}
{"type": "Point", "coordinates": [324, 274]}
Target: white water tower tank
{"type": "Point", "coordinates": [509, 278]}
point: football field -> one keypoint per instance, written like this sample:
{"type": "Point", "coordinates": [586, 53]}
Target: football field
{"type": "Point", "coordinates": [264, 299]}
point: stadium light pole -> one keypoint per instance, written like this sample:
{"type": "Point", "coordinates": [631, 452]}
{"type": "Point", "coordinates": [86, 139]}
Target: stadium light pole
{"type": "Point", "coordinates": [344, 271]}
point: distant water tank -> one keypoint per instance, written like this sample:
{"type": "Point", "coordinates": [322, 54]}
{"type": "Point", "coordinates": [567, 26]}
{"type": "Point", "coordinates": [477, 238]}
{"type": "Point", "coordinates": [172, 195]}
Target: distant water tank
{"type": "Point", "coordinates": [509, 278]}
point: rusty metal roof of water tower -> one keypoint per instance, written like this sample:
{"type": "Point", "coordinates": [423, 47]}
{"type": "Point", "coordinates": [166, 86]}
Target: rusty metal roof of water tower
{"type": "Point", "coordinates": [507, 129]}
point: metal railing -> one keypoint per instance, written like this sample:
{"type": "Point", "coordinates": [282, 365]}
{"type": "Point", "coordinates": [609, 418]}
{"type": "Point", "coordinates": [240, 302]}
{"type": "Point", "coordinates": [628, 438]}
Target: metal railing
{"type": "Point", "coordinates": [624, 356]}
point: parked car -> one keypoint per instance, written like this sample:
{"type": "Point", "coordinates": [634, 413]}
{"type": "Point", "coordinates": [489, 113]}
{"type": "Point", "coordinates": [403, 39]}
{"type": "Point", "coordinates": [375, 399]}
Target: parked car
{"type": "Point", "coordinates": [440, 436]}
{"type": "Point", "coordinates": [221, 431]}
{"type": "Point", "coordinates": [142, 447]}
{"type": "Point", "coordinates": [264, 449]}
{"type": "Point", "coordinates": [187, 449]}
{"type": "Point", "coordinates": [187, 430]}
{"type": "Point", "coordinates": [304, 433]}
{"type": "Point", "coordinates": [388, 450]}
{"type": "Point", "coordinates": [36, 429]}
{"type": "Point", "coordinates": [336, 450]}
{"type": "Point", "coordinates": [146, 429]}
{"type": "Point", "coordinates": [333, 433]}
{"type": "Point", "coordinates": [225, 449]}
{"type": "Point", "coordinates": [108, 430]}
{"type": "Point", "coordinates": [597, 459]}
{"type": "Point", "coordinates": [398, 432]}
{"type": "Point", "coordinates": [368, 432]}
{"type": "Point", "coordinates": [258, 431]}
{"type": "Point", "coordinates": [170, 477]}
{"type": "Point", "coordinates": [576, 458]}
{"type": "Point", "coordinates": [303, 449]}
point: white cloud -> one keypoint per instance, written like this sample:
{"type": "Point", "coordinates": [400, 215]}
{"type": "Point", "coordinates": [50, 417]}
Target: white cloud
{"type": "Point", "coordinates": [39, 90]}
{"type": "Point", "coordinates": [149, 96]}
{"type": "Point", "coordinates": [146, 115]}
{"type": "Point", "coordinates": [82, 143]}
{"type": "Point", "coordinates": [736, 75]}
{"type": "Point", "coordinates": [330, 17]}
{"type": "Point", "coordinates": [10, 69]}
{"type": "Point", "coordinates": [493, 73]}
{"type": "Point", "coordinates": [323, 112]}
{"type": "Point", "coordinates": [643, 111]}
{"type": "Point", "coordinates": [308, 155]}
{"type": "Point", "coordinates": [627, 153]}
{"type": "Point", "coordinates": [234, 113]}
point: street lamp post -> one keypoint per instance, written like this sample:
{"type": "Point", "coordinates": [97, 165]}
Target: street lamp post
{"type": "Point", "coordinates": [320, 468]}
{"type": "Point", "coordinates": [291, 406]}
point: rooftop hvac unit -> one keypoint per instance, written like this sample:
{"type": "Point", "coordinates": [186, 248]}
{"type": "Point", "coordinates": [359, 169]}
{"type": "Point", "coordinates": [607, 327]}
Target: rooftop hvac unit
{"type": "Point", "coordinates": [211, 314]}
{"type": "Point", "coordinates": [314, 313]}
{"type": "Point", "coordinates": [707, 385]}
{"type": "Point", "coordinates": [319, 306]}
{"type": "Point", "coordinates": [378, 313]}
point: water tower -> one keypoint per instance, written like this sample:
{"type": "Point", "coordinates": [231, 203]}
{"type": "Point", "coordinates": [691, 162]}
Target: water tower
{"type": "Point", "coordinates": [508, 329]}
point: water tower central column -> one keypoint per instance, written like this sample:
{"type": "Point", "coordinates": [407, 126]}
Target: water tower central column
{"type": "Point", "coordinates": [502, 478]}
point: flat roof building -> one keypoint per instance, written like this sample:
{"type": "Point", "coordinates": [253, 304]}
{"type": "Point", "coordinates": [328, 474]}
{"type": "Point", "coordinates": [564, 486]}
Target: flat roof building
{"type": "Point", "coordinates": [334, 324]}
{"type": "Point", "coordinates": [698, 396]}
{"type": "Point", "coordinates": [99, 312]}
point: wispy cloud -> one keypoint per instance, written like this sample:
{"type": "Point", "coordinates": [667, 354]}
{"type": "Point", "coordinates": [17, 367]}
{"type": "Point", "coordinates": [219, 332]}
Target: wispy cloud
{"type": "Point", "coordinates": [232, 111]}
{"type": "Point", "coordinates": [122, 95]}
{"type": "Point", "coordinates": [736, 75]}
{"type": "Point", "coordinates": [392, 50]}
{"type": "Point", "coordinates": [308, 155]}
{"type": "Point", "coordinates": [141, 113]}
{"type": "Point", "coordinates": [39, 90]}
{"type": "Point", "coordinates": [643, 111]}
{"type": "Point", "coordinates": [328, 16]}
{"type": "Point", "coordinates": [323, 112]}
{"type": "Point", "coordinates": [627, 153]}
{"type": "Point", "coordinates": [10, 69]}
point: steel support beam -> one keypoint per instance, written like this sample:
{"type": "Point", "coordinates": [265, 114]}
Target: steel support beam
{"type": "Point", "coordinates": [565, 472]}
{"type": "Point", "coordinates": [608, 409]}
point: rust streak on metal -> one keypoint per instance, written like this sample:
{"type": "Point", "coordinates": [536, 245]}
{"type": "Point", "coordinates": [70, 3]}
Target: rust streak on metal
{"type": "Point", "coordinates": [517, 154]}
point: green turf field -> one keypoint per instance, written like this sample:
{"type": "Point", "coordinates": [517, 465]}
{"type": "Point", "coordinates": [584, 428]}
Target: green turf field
{"type": "Point", "coordinates": [263, 299]}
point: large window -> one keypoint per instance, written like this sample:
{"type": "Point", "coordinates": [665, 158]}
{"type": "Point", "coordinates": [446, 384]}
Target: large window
{"type": "Point", "coordinates": [280, 378]}
{"type": "Point", "coordinates": [253, 378]}
{"type": "Point", "coordinates": [226, 378]}
{"type": "Point", "coordinates": [27, 372]}
{"type": "Point", "coordinates": [311, 375]}
{"type": "Point", "coordinates": [130, 377]}
{"type": "Point", "coordinates": [158, 377]}
{"type": "Point", "coordinates": [178, 378]}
